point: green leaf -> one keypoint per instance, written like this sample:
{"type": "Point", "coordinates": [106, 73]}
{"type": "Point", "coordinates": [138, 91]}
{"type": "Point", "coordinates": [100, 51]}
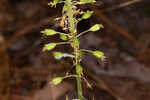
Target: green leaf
{"type": "Point", "coordinates": [56, 80]}
{"type": "Point", "coordinates": [96, 27]}
{"type": "Point", "coordinates": [87, 1]}
{"type": "Point", "coordinates": [98, 54]}
{"type": "Point", "coordinates": [87, 15]}
{"type": "Point", "coordinates": [76, 42]}
{"type": "Point", "coordinates": [49, 32]}
{"type": "Point", "coordinates": [55, 2]}
{"type": "Point", "coordinates": [58, 55]}
{"type": "Point", "coordinates": [63, 37]}
{"type": "Point", "coordinates": [79, 69]}
{"type": "Point", "coordinates": [49, 46]}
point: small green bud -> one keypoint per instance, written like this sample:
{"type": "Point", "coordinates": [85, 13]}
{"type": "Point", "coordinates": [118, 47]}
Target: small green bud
{"type": "Point", "coordinates": [56, 80]}
{"type": "Point", "coordinates": [79, 69]}
{"type": "Point", "coordinates": [49, 32]}
{"type": "Point", "coordinates": [49, 46]}
{"type": "Point", "coordinates": [87, 15]}
{"type": "Point", "coordinates": [58, 55]}
{"type": "Point", "coordinates": [96, 27]}
{"type": "Point", "coordinates": [98, 54]}
{"type": "Point", "coordinates": [63, 37]}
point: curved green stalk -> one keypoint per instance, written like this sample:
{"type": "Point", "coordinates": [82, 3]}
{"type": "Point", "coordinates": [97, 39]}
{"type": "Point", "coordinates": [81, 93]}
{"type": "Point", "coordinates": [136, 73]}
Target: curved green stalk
{"type": "Point", "coordinates": [82, 33]}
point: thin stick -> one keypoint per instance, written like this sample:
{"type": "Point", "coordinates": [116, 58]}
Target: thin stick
{"type": "Point", "coordinates": [102, 84]}
{"type": "Point", "coordinates": [121, 5]}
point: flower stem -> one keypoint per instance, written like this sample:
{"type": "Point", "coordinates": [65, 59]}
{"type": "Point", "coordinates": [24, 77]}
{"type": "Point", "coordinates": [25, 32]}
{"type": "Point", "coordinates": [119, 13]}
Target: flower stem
{"type": "Point", "coordinates": [72, 29]}
{"type": "Point", "coordinates": [63, 33]}
{"type": "Point", "coordinates": [82, 33]}
{"type": "Point", "coordinates": [70, 76]}
{"type": "Point", "coordinates": [79, 86]}
{"type": "Point", "coordinates": [85, 50]}
{"type": "Point", "coordinates": [62, 43]}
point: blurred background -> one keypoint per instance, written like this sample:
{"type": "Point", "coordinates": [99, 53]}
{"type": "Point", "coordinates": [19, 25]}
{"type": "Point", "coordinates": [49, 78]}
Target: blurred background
{"type": "Point", "coordinates": [25, 71]}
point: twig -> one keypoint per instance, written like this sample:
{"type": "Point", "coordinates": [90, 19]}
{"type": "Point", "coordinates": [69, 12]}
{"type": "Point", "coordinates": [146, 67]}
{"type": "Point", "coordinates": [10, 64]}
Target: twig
{"type": "Point", "coordinates": [102, 84]}
{"type": "Point", "coordinates": [124, 33]}
{"type": "Point", "coordinates": [4, 72]}
{"type": "Point", "coordinates": [116, 27]}
{"type": "Point", "coordinates": [121, 5]}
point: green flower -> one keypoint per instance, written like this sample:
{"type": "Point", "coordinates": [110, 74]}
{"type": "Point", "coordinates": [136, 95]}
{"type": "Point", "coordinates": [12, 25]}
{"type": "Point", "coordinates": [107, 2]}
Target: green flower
{"type": "Point", "coordinates": [58, 55]}
{"type": "Point", "coordinates": [98, 54]}
{"type": "Point", "coordinates": [96, 27]}
{"type": "Point", "coordinates": [63, 37]}
{"type": "Point", "coordinates": [49, 46]}
{"type": "Point", "coordinates": [87, 15]}
{"type": "Point", "coordinates": [49, 32]}
{"type": "Point", "coordinates": [56, 80]}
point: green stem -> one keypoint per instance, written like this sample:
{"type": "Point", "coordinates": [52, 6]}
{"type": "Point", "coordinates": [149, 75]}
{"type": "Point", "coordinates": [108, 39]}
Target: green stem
{"type": "Point", "coordinates": [82, 33]}
{"type": "Point", "coordinates": [63, 33]}
{"type": "Point", "coordinates": [72, 29]}
{"type": "Point", "coordinates": [70, 76]}
{"type": "Point", "coordinates": [62, 43]}
{"type": "Point", "coordinates": [79, 86]}
{"type": "Point", "coordinates": [78, 78]}
{"type": "Point", "coordinates": [90, 51]}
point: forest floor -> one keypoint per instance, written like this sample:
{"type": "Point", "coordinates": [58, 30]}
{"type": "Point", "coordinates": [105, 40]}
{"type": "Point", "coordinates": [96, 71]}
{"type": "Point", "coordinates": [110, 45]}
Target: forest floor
{"type": "Point", "coordinates": [25, 71]}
